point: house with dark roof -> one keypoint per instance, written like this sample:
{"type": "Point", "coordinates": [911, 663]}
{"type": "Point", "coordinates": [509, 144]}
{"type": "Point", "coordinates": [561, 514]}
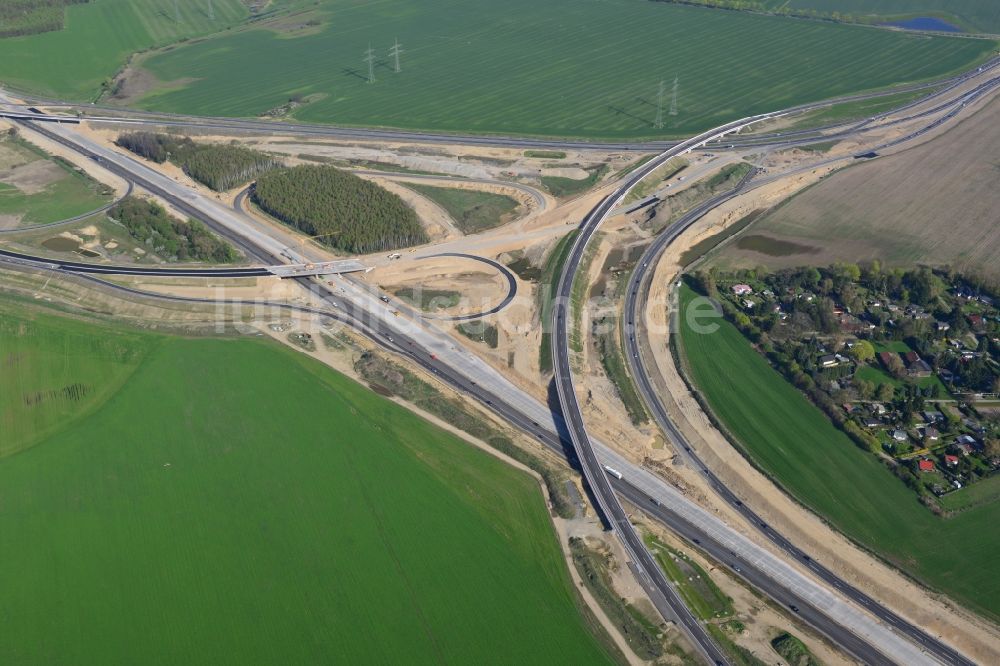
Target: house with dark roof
{"type": "Point", "coordinates": [968, 440]}
{"type": "Point", "coordinates": [919, 368]}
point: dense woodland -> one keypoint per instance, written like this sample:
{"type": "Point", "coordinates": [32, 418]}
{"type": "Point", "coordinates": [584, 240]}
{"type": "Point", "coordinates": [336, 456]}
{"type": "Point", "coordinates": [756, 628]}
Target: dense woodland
{"type": "Point", "coordinates": [344, 211]}
{"type": "Point", "coordinates": [220, 167]}
{"type": "Point", "coordinates": [30, 17]}
{"type": "Point", "coordinates": [168, 237]}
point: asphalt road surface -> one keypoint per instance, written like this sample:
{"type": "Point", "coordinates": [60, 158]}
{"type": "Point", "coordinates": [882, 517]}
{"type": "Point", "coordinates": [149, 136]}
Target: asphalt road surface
{"type": "Point", "coordinates": [650, 575]}
{"type": "Point", "coordinates": [106, 269]}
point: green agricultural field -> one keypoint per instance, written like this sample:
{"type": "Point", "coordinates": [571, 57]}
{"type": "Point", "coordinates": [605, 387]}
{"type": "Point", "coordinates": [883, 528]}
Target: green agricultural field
{"type": "Point", "coordinates": [36, 188]}
{"type": "Point", "coordinates": [98, 39]}
{"type": "Point", "coordinates": [52, 375]}
{"type": "Point", "coordinates": [792, 441]}
{"type": "Point", "coordinates": [562, 67]}
{"type": "Point", "coordinates": [979, 493]}
{"type": "Point", "coordinates": [473, 211]}
{"type": "Point", "coordinates": [234, 502]}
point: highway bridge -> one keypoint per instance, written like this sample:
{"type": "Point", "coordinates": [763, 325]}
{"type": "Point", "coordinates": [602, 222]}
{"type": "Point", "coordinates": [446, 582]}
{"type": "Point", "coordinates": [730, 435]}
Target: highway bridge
{"type": "Point", "coordinates": [279, 270]}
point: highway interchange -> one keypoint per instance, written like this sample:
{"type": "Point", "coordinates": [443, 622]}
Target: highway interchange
{"type": "Point", "coordinates": [422, 343]}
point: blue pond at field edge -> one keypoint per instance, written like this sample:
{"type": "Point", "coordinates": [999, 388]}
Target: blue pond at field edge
{"type": "Point", "coordinates": [925, 23]}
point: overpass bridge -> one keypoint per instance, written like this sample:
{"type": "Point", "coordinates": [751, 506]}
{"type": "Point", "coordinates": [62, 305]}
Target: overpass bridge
{"type": "Point", "coordinates": [281, 271]}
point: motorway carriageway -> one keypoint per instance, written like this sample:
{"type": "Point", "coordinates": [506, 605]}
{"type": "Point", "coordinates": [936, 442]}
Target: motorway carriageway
{"type": "Point", "coordinates": [649, 573]}
{"type": "Point", "coordinates": [82, 267]}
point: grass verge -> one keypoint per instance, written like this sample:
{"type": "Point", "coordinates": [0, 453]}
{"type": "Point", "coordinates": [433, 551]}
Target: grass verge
{"type": "Point", "coordinates": [480, 331]}
{"type": "Point", "coordinates": [429, 300]}
{"type": "Point", "coordinates": [550, 275]}
{"type": "Point", "coordinates": [613, 362]}
{"type": "Point", "coordinates": [567, 187]}
{"type": "Point", "coordinates": [794, 651]}
{"type": "Point", "coordinates": [390, 377]}
{"type": "Point", "coordinates": [472, 210]}
{"type": "Point", "coordinates": [639, 632]}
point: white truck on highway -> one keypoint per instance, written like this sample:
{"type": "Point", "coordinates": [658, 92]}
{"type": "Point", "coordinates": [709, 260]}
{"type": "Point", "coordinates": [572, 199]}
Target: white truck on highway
{"type": "Point", "coordinates": [613, 472]}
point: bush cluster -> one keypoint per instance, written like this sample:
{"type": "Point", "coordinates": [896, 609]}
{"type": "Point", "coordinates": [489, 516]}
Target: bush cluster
{"type": "Point", "coordinates": [151, 224]}
{"type": "Point", "coordinates": [31, 17]}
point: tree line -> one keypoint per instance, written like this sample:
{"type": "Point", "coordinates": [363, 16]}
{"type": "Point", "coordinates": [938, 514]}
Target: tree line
{"type": "Point", "coordinates": [776, 10]}
{"type": "Point", "coordinates": [344, 211]}
{"type": "Point", "coordinates": [30, 17]}
{"type": "Point", "coordinates": [170, 238]}
{"type": "Point", "coordinates": [218, 166]}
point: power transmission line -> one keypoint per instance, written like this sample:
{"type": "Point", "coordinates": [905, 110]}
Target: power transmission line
{"type": "Point", "coordinates": [673, 98]}
{"type": "Point", "coordinates": [370, 59]}
{"type": "Point", "coordinates": [394, 52]}
{"type": "Point", "coordinates": [658, 123]}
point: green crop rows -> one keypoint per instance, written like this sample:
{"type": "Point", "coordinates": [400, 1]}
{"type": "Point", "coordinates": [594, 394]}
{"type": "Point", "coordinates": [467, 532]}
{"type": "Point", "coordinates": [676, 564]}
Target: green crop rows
{"type": "Point", "coordinates": [557, 68]}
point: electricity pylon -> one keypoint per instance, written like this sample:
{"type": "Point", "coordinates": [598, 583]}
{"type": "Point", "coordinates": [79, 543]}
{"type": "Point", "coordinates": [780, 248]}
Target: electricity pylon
{"type": "Point", "coordinates": [673, 98]}
{"type": "Point", "coordinates": [658, 123]}
{"type": "Point", "coordinates": [370, 59]}
{"type": "Point", "coordinates": [394, 52]}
